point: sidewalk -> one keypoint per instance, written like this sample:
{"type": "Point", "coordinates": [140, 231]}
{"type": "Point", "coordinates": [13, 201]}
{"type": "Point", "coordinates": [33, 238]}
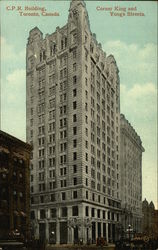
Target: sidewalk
{"type": "Point", "coordinates": [79, 247]}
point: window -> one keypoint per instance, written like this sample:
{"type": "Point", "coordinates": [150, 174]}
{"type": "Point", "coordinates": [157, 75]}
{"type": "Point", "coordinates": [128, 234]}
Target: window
{"type": "Point", "coordinates": [98, 213]}
{"type": "Point", "coordinates": [75, 156]}
{"type": "Point", "coordinates": [86, 169]}
{"type": "Point", "coordinates": [74, 79]}
{"type": "Point", "coordinates": [86, 182]}
{"type": "Point", "coordinates": [75, 211]}
{"type": "Point", "coordinates": [86, 131]}
{"type": "Point", "coordinates": [74, 67]}
{"type": "Point", "coordinates": [75, 194]}
{"type": "Point", "coordinates": [74, 105]}
{"type": "Point", "coordinates": [93, 197]}
{"type": "Point", "coordinates": [74, 92]}
{"type": "Point", "coordinates": [86, 194]}
{"type": "Point", "coordinates": [74, 130]}
{"type": "Point", "coordinates": [86, 55]}
{"type": "Point", "coordinates": [86, 81]}
{"type": "Point", "coordinates": [41, 199]}
{"type": "Point", "coordinates": [74, 168]}
{"type": "Point", "coordinates": [75, 180]}
{"type": "Point", "coordinates": [93, 212]}
{"type": "Point", "coordinates": [62, 44]}
{"type": "Point", "coordinates": [86, 68]}
{"type": "Point", "coordinates": [53, 213]}
{"type": "Point", "coordinates": [74, 143]}
{"type": "Point", "coordinates": [63, 196]}
{"type": "Point", "coordinates": [87, 211]}
{"type": "Point", "coordinates": [86, 156]}
{"type": "Point", "coordinates": [52, 197]}
{"type": "Point", "coordinates": [86, 119]}
{"type": "Point", "coordinates": [64, 211]}
{"type": "Point", "coordinates": [42, 214]}
{"type": "Point", "coordinates": [74, 118]}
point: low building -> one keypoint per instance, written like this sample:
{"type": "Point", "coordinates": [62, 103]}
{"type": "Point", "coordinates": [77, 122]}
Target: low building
{"type": "Point", "coordinates": [14, 186]}
{"type": "Point", "coordinates": [150, 219]}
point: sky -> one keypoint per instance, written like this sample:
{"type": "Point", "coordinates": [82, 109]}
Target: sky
{"type": "Point", "coordinates": [131, 39]}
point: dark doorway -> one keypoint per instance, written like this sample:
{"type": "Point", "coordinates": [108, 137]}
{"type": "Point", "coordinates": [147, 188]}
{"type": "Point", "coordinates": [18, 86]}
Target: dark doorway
{"type": "Point", "coordinates": [76, 234]}
{"type": "Point", "coordinates": [104, 230]}
{"type": "Point", "coordinates": [63, 233]}
{"type": "Point", "coordinates": [99, 229]}
{"type": "Point", "coordinates": [93, 232]}
{"type": "Point", "coordinates": [52, 232]}
{"type": "Point", "coordinates": [42, 231]}
{"type": "Point", "coordinates": [113, 232]}
{"type": "Point", "coordinates": [109, 232]}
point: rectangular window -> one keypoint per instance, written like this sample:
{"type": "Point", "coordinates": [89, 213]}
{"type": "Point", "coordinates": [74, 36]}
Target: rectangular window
{"type": "Point", "coordinates": [75, 194]}
{"type": "Point", "coordinates": [64, 211]}
{"type": "Point", "coordinates": [75, 143]}
{"type": "Point", "coordinates": [63, 196]}
{"type": "Point", "coordinates": [87, 211]}
{"type": "Point", "coordinates": [74, 105]}
{"type": "Point", "coordinates": [74, 130]}
{"type": "Point", "coordinates": [42, 214]}
{"type": "Point", "coordinates": [75, 211]}
{"type": "Point", "coordinates": [75, 156]}
{"type": "Point", "coordinates": [74, 118]}
{"type": "Point", "coordinates": [74, 79]}
{"type": "Point", "coordinates": [53, 213]}
{"type": "Point", "coordinates": [74, 92]}
{"type": "Point", "coordinates": [74, 169]}
{"type": "Point", "coordinates": [74, 67]}
{"type": "Point", "coordinates": [75, 181]}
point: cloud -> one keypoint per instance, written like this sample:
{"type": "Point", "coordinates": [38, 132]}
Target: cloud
{"type": "Point", "coordinates": [13, 103]}
{"type": "Point", "coordinates": [8, 51]}
{"type": "Point", "coordinates": [139, 100]}
{"type": "Point", "coordinates": [142, 91]}
{"type": "Point", "coordinates": [14, 87]}
{"type": "Point", "coordinates": [134, 62]}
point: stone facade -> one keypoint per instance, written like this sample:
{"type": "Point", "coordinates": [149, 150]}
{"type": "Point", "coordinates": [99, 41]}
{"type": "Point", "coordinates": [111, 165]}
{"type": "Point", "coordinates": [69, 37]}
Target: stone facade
{"type": "Point", "coordinates": [73, 123]}
{"type": "Point", "coordinates": [131, 176]}
{"type": "Point", "coordinates": [150, 219]}
{"type": "Point", "coordinates": [14, 186]}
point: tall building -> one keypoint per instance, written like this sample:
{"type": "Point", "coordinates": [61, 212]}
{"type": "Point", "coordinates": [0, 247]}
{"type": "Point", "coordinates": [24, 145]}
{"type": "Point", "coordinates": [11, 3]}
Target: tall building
{"type": "Point", "coordinates": [14, 186]}
{"type": "Point", "coordinates": [131, 176]}
{"type": "Point", "coordinates": [73, 123]}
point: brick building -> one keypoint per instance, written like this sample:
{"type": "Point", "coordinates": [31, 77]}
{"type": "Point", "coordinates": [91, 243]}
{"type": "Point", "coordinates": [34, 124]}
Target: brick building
{"type": "Point", "coordinates": [14, 185]}
{"type": "Point", "coordinates": [73, 123]}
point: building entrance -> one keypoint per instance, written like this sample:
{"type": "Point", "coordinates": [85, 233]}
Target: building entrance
{"type": "Point", "coordinates": [63, 233]}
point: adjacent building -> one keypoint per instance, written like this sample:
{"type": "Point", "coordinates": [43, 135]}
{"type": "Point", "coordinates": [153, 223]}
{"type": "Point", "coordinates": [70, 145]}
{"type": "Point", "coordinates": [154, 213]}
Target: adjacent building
{"type": "Point", "coordinates": [73, 123]}
{"type": "Point", "coordinates": [131, 176]}
{"type": "Point", "coordinates": [150, 219]}
{"type": "Point", "coordinates": [14, 186]}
